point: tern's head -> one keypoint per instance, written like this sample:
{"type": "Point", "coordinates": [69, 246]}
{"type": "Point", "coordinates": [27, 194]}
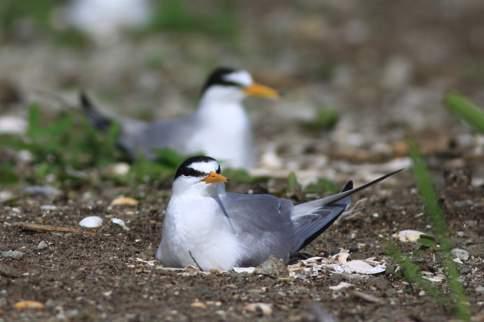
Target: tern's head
{"type": "Point", "coordinates": [233, 85]}
{"type": "Point", "coordinates": [199, 175]}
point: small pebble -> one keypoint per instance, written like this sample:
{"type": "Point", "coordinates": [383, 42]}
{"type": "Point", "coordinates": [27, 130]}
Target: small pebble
{"type": "Point", "coordinates": [459, 253]}
{"type": "Point", "coordinates": [42, 245]}
{"type": "Point", "coordinates": [480, 289]}
{"type": "Point", "coordinates": [91, 222]}
{"type": "Point", "coordinates": [12, 254]}
{"type": "Point", "coordinates": [264, 308]}
{"type": "Point", "coordinates": [48, 207]}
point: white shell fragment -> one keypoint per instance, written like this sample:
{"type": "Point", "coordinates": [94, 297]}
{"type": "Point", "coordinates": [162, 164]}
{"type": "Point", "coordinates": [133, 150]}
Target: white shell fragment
{"type": "Point", "coordinates": [248, 270]}
{"type": "Point", "coordinates": [361, 267]}
{"type": "Point", "coordinates": [436, 278]}
{"type": "Point", "coordinates": [91, 222]}
{"type": "Point", "coordinates": [459, 253]}
{"type": "Point", "coordinates": [340, 286]}
{"type": "Point", "coordinates": [120, 222]}
{"type": "Point", "coordinates": [408, 235]}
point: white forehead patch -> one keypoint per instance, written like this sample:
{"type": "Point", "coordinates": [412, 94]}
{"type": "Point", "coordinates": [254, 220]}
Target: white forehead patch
{"type": "Point", "coordinates": [205, 167]}
{"type": "Point", "coordinates": [241, 77]}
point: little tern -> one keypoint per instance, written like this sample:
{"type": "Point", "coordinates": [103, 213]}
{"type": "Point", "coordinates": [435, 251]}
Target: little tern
{"type": "Point", "coordinates": [211, 228]}
{"type": "Point", "coordinates": [220, 127]}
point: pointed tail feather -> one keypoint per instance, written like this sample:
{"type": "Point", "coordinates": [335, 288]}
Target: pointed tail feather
{"type": "Point", "coordinates": [329, 200]}
{"type": "Point", "coordinates": [97, 119]}
{"type": "Point", "coordinates": [325, 212]}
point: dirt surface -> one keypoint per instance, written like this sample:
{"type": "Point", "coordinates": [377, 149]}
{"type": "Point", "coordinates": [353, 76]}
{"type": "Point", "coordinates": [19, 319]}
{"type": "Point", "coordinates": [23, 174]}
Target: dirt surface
{"type": "Point", "coordinates": [384, 66]}
{"type": "Point", "coordinates": [111, 276]}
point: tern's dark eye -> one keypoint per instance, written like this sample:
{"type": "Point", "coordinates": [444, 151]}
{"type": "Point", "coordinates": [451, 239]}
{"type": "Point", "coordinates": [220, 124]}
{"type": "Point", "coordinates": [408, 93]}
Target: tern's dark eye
{"type": "Point", "coordinates": [219, 170]}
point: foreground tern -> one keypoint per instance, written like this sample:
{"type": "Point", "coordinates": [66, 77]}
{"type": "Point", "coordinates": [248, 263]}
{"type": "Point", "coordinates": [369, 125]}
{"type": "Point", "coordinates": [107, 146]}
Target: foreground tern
{"type": "Point", "coordinates": [220, 127]}
{"type": "Point", "coordinates": [206, 226]}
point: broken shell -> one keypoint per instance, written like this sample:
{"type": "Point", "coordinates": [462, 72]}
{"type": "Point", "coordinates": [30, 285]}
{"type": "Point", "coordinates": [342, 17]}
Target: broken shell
{"type": "Point", "coordinates": [124, 201]}
{"type": "Point", "coordinates": [199, 305]}
{"type": "Point", "coordinates": [408, 235]}
{"type": "Point", "coordinates": [340, 286]}
{"type": "Point", "coordinates": [436, 278]}
{"type": "Point", "coordinates": [29, 305]}
{"type": "Point", "coordinates": [91, 222]}
{"type": "Point", "coordinates": [362, 267]}
{"type": "Point", "coordinates": [248, 270]}
{"type": "Point", "coordinates": [119, 222]}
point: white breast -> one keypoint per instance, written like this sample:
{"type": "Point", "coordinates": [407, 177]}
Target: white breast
{"type": "Point", "coordinates": [196, 227]}
{"type": "Point", "coordinates": [224, 133]}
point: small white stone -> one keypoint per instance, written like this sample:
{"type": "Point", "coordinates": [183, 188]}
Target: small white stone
{"type": "Point", "coordinates": [459, 253]}
{"type": "Point", "coordinates": [120, 169]}
{"type": "Point", "coordinates": [48, 207]}
{"type": "Point", "coordinates": [42, 245]}
{"type": "Point", "coordinates": [408, 235]}
{"type": "Point", "coordinates": [12, 125]}
{"type": "Point", "coordinates": [5, 196]}
{"type": "Point", "coordinates": [91, 222]}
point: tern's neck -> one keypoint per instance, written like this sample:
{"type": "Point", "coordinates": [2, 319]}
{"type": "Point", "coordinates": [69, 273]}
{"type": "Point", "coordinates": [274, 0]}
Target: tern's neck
{"type": "Point", "coordinates": [211, 110]}
{"type": "Point", "coordinates": [197, 190]}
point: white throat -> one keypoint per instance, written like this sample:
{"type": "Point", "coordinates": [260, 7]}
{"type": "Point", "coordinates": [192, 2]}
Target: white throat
{"type": "Point", "coordinates": [224, 129]}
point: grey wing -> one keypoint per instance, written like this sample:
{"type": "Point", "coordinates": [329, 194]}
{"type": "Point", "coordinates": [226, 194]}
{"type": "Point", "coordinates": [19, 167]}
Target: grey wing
{"type": "Point", "coordinates": [146, 139]}
{"type": "Point", "coordinates": [262, 224]}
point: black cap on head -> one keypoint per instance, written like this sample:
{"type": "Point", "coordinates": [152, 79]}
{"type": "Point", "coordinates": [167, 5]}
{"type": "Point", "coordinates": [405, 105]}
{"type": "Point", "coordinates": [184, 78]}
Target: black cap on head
{"type": "Point", "coordinates": [217, 78]}
{"type": "Point", "coordinates": [184, 169]}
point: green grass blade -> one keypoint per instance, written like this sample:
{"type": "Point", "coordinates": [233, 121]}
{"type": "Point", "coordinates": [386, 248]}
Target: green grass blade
{"type": "Point", "coordinates": [466, 110]}
{"type": "Point", "coordinates": [428, 194]}
{"type": "Point", "coordinates": [436, 217]}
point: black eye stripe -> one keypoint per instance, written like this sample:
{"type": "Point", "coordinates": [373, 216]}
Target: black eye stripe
{"type": "Point", "coordinates": [218, 78]}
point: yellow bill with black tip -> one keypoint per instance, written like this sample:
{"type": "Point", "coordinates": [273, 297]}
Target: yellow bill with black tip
{"type": "Point", "coordinates": [214, 177]}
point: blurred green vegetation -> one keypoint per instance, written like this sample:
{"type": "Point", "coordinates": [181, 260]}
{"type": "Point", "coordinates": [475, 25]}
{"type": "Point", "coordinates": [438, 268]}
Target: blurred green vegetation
{"type": "Point", "coordinates": [322, 185]}
{"type": "Point", "coordinates": [68, 148]}
{"type": "Point", "coordinates": [241, 176]}
{"type": "Point", "coordinates": [175, 15]}
{"type": "Point", "coordinates": [219, 20]}
{"type": "Point", "coordinates": [466, 111]}
{"type": "Point", "coordinates": [436, 219]}
{"type": "Point", "coordinates": [69, 151]}
{"type": "Point", "coordinates": [39, 11]}
{"type": "Point", "coordinates": [39, 14]}
{"type": "Point", "coordinates": [326, 119]}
